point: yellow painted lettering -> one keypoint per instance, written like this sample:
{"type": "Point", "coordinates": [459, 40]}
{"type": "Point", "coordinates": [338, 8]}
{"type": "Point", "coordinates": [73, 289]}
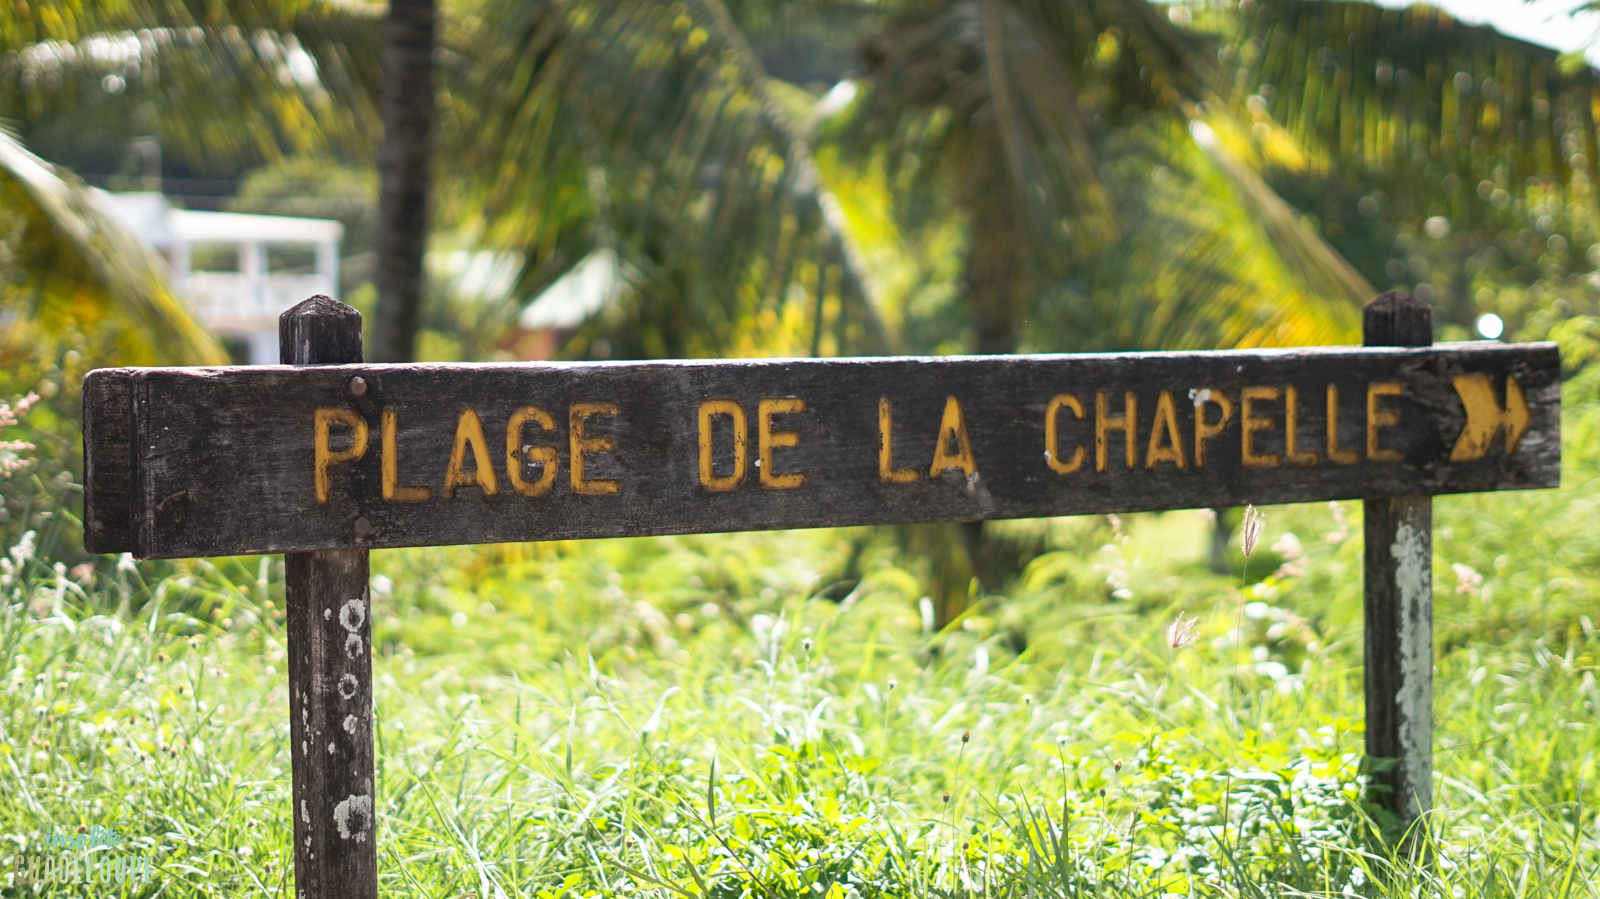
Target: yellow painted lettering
{"type": "Point", "coordinates": [768, 440]}
{"type": "Point", "coordinates": [1166, 423]}
{"type": "Point", "coordinates": [1250, 424]}
{"type": "Point", "coordinates": [887, 473]}
{"type": "Point", "coordinates": [1341, 456]}
{"type": "Point", "coordinates": [1052, 434]}
{"type": "Point", "coordinates": [1105, 423]}
{"type": "Point", "coordinates": [1206, 430]}
{"type": "Point", "coordinates": [327, 457]}
{"type": "Point", "coordinates": [469, 433]}
{"type": "Point", "coordinates": [393, 490]}
{"type": "Point", "coordinates": [709, 479]}
{"type": "Point", "coordinates": [952, 428]}
{"type": "Point", "coordinates": [1381, 418]}
{"type": "Point", "coordinates": [577, 416]}
{"type": "Point", "coordinates": [518, 455]}
{"type": "Point", "coordinates": [1291, 419]}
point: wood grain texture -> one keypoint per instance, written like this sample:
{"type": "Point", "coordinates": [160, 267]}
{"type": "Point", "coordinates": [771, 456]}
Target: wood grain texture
{"type": "Point", "coordinates": [1398, 667]}
{"type": "Point", "coordinates": [329, 638]}
{"type": "Point", "coordinates": [1398, 584]}
{"type": "Point", "coordinates": [320, 329]}
{"type": "Point", "coordinates": [107, 427]}
{"type": "Point", "coordinates": [329, 631]}
{"type": "Point", "coordinates": [226, 465]}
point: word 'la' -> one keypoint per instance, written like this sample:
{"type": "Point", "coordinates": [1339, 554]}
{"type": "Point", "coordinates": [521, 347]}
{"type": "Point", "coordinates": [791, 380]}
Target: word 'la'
{"type": "Point", "coordinates": [1213, 412]}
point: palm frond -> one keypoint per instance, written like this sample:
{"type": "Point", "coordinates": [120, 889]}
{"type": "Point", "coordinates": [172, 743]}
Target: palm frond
{"type": "Point", "coordinates": [959, 90]}
{"type": "Point", "coordinates": [222, 86]}
{"type": "Point", "coordinates": [70, 268]}
{"type": "Point", "coordinates": [1210, 272]}
{"type": "Point", "coordinates": [1379, 121]}
{"type": "Point", "coordinates": [648, 128]}
{"type": "Point", "coordinates": [1317, 266]}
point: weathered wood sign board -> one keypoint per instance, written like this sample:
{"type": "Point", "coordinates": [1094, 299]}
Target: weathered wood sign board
{"type": "Point", "coordinates": [217, 461]}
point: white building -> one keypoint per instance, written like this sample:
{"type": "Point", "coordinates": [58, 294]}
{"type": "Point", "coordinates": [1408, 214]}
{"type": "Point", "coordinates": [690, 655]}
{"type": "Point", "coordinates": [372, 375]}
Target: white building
{"type": "Point", "coordinates": [596, 281]}
{"type": "Point", "coordinates": [224, 263]}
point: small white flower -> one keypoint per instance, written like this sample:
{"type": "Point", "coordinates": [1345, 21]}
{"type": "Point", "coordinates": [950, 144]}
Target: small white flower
{"type": "Point", "coordinates": [1288, 546]}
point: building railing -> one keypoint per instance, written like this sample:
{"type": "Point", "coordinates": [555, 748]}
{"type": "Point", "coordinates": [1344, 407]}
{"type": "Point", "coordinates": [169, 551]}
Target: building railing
{"type": "Point", "coordinates": [235, 303]}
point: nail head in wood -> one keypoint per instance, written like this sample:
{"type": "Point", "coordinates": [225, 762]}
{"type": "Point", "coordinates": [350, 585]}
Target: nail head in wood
{"type": "Point", "coordinates": [358, 386]}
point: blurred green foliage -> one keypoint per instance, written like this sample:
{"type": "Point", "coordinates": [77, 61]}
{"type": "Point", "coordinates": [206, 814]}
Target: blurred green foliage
{"type": "Point", "coordinates": [1052, 181]}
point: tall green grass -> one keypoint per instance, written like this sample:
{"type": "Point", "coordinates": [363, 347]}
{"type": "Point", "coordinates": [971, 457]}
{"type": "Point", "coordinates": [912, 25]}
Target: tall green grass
{"type": "Point", "coordinates": [687, 717]}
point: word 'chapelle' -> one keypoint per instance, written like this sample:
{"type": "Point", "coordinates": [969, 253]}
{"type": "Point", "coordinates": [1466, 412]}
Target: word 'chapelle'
{"type": "Point", "coordinates": [1214, 410]}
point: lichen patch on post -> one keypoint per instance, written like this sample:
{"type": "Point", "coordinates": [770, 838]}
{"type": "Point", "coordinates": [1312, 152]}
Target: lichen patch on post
{"type": "Point", "coordinates": [354, 818]}
{"type": "Point", "coordinates": [350, 724]}
{"type": "Point", "coordinates": [352, 615]}
{"type": "Point", "coordinates": [348, 686]}
{"type": "Point", "coordinates": [1413, 556]}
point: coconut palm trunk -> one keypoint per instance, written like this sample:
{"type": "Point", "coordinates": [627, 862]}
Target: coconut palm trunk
{"type": "Point", "coordinates": [996, 265]}
{"type": "Point", "coordinates": [403, 169]}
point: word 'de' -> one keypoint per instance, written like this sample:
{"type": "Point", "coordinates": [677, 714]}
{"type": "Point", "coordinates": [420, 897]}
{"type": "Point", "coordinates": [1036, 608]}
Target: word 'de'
{"type": "Point", "coordinates": [283, 459]}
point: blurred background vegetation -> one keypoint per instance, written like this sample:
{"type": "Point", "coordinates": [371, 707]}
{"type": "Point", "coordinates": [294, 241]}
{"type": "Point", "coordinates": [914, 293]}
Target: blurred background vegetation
{"type": "Point", "coordinates": [830, 177]}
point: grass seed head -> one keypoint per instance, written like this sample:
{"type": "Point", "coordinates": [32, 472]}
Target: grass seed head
{"type": "Point", "coordinates": [1182, 632]}
{"type": "Point", "coordinates": [1254, 523]}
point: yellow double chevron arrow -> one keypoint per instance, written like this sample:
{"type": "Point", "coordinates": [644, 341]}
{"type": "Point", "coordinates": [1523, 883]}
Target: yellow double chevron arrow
{"type": "Point", "coordinates": [1486, 417]}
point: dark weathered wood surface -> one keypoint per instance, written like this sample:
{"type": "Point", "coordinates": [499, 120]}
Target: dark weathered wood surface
{"type": "Point", "coordinates": [226, 459]}
{"type": "Point", "coordinates": [329, 633]}
{"type": "Point", "coordinates": [1399, 604]}
{"type": "Point", "coordinates": [107, 417]}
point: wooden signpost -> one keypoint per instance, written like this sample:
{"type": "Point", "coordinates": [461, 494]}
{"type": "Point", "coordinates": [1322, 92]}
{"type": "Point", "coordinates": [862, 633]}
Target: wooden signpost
{"type": "Point", "coordinates": [330, 458]}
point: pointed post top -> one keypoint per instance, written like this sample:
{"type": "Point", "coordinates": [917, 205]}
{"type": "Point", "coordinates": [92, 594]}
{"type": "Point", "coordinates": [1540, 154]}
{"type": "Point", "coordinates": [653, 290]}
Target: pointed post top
{"type": "Point", "coordinates": [319, 331]}
{"type": "Point", "coordinates": [1397, 319]}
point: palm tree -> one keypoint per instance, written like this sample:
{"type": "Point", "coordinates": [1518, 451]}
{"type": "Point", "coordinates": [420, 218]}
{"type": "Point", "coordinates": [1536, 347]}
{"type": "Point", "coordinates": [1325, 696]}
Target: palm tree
{"type": "Point", "coordinates": [408, 44]}
{"type": "Point", "coordinates": [1022, 114]}
{"type": "Point", "coordinates": [649, 130]}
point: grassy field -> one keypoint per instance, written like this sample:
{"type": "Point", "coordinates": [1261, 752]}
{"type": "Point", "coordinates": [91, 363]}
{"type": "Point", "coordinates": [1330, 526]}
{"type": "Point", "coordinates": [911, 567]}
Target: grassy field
{"type": "Point", "coordinates": [687, 717]}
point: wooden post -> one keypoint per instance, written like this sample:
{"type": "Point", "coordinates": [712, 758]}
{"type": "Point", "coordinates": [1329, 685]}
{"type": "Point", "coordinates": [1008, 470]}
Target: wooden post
{"type": "Point", "coordinates": [330, 664]}
{"type": "Point", "coordinates": [1399, 603]}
